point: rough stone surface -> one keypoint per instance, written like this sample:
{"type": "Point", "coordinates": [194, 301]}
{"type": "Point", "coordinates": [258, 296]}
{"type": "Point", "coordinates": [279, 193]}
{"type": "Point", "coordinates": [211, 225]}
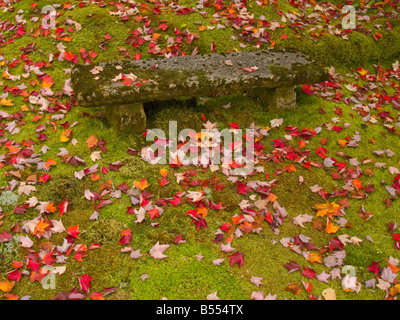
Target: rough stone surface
{"type": "Point", "coordinates": [127, 117]}
{"type": "Point", "coordinates": [191, 76]}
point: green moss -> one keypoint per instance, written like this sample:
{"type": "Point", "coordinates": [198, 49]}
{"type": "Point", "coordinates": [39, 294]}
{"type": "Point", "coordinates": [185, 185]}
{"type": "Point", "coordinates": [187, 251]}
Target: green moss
{"type": "Point", "coordinates": [61, 187]}
{"type": "Point", "coordinates": [103, 231]}
{"type": "Point", "coordinates": [228, 197]}
{"type": "Point", "coordinates": [135, 168]}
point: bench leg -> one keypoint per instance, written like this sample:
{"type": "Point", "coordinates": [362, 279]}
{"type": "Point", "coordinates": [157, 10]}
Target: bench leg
{"type": "Point", "coordinates": [275, 99]}
{"type": "Point", "coordinates": [126, 118]}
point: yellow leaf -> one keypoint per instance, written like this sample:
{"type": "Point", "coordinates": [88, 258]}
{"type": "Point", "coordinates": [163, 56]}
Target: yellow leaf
{"type": "Point", "coordinates": [362, 71]}
{"type": "Point", "coordinates": [66, 135]}
{"type": "Point", "coordinates": [327, 209]}
{"type": "Point", "coordinates": [6, 102]}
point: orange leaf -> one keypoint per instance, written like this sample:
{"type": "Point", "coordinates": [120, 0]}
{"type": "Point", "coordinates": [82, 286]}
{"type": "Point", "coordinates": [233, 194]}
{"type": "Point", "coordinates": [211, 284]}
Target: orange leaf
{"type": "Point", "coordinates": [6, 286]}
{"type": "Point", "coordinates": [330, 228]}
{"type": "Point", "coordinates": [271, 197]}
{"type": "Point", "coordinates": [92, 141]}
{"type": "Point", "coordinates": [294, 287]}
{"type": "Point", "coordinates": [314, 257]}
{"type": "Point", "coordinates": [203, 211]}
{"type": "Point", "coordinates": [40, 228]}
{"type": "Point", "coordinates": [13, 149]}
{"type": "Point", "coordinates": [236, 219]}
{"type": "Point", "coordinates": [155, 36]}
{"type": "Point", "coordinates": [142, 184]}
{"type": "Point", "coordinates": [357, 183]}
{"type": "Point", "coordinates": [51, 208]}
{"type": "Point", "coordinates": [163, 172]}
{"type": "Point", "coordinates": [95, 177]}
{"type": "Point", "coordinates": [394, 268]}
{"type": "Point", "coordinates": [49, 163]}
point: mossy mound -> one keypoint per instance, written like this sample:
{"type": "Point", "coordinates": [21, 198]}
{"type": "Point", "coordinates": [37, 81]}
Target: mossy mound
{"type": "Point", "coordinates": [135, 168]}
{"type": "Point", "coordinates": [103, 231]}
{"type": "Point", "coordinates": [228, 197]}
{"type": "Point", "coordinates": [358, 49]}
{"type": "Point", "coordinates": [61, 188]}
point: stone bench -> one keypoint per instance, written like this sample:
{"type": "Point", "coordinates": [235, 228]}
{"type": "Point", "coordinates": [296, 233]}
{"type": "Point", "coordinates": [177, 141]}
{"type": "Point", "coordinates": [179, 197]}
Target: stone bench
{"type": "Point", "coordinates": [269, 77]}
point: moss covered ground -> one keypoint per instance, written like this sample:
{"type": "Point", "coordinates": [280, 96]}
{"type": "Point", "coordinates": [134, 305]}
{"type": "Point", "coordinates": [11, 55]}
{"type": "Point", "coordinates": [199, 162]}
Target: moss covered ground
{"type": "Point", "coordinates": [182, 275]}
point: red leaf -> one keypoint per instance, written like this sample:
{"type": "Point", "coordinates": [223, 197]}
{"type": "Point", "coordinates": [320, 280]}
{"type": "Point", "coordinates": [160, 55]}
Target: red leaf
{"type": "Point", "coordinates": [126, 236]}
{"type": "Point", "coordinates": [63, 207]}
{"type": "Point", "coordinates": [73, 231]}
{"type": "Point", "coordinates": [84, 282]}
{"type": "Point", "coordinates": [292, 266]}
{"type": "Point", "coordinates": [308, 272]}
{"type": "Point", "coordinates": [374, 267]}
{"type": "Point", "coordinates": [237, 257]}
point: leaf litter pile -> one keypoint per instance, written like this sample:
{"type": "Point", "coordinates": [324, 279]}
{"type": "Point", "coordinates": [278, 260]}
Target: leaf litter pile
{"type": "Point", "coordinates": [41, 138]}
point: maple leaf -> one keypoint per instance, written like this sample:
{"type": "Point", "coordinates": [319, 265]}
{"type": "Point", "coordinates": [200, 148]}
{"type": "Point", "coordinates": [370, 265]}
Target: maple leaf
{"type": "Point", "coordinates": [5, 236]}
{"type": "Point", "coordinates": [6, 286]}
{"type": "Point", "coordinates": [96, 296]}
{"type": "Point", "coordinates": [157, 250]}
{"type": "Point", "coordinates": [293, 287]}
{"type": "Point", "coordinates": [327, 209]}
{"type": "Point", "coordinates": [126, 236]}
{"type": "Point", "coordinates": [84, 282]}
{"type": "Point", "coordinates": [302, 218]}
{"type": "Point", "coordinates": [74, 231]}
{"type": "Point", "coordinates": [6, 102]}
{"type": "Point", "coordinates": [238, 258]}
{"type": "Point", "coordinates": [15, 275]}
{"type": "Point", "coordinates": [92, 142]}
{"type": "Point", "coordinates": [330, 228]}
{"type": "Point", "coordinates": [25, 242]}
{"type": "Point", "coordinates": [292, 266]}
{"type": "Point", "coordinates": [66, 135]}
{"type": "Point", "coordinates": [256, 281]}
{"type": "Point", "coordinates": [142, 184]}
{"type": "Point", "coordinates": [74, 294]}
{"type": "Point", "coordinates": [308, 272]}
{"type": "Point", "coordinates": [374, 267]}
{"type": "Point", "coordinates": [153, 213]}
{"type": "Point", "coordinates": [314, 257]}
{"type": "Point", "coordinates": [217, 262]}
{"type": "Point", "coordinates": [179, 239]}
